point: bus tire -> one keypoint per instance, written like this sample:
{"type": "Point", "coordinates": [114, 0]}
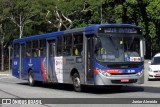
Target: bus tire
{"type": "Point", "coordinates": [76, 82]}
{"type": "Point", "coordinates": [31, 80]}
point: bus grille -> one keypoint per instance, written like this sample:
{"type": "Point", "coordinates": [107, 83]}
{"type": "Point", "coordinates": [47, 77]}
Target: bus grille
{"type": "Point", "coordinates": [119, 81]}
{"type": "Point", "coordinates": [124, 74]}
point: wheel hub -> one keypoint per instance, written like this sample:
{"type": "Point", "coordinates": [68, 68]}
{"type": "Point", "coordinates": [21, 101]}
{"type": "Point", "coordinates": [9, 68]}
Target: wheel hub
{"type": "Point", "coordinates": [77, 82]}
{"type": "Point", "coordinates": [30, 79]}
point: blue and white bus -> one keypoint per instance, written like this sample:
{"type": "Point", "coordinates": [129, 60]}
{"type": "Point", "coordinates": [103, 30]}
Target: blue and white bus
{"type": "Point", "coordinates": [101, 54]}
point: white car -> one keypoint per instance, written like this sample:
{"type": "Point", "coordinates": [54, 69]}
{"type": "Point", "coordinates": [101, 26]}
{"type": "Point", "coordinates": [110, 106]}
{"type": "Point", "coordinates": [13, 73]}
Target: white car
{"type": "Point", "coordinates": [154, 68]}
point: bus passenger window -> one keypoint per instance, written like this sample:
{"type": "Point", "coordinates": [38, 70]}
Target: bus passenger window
{"type": "Point", "coordinates": [42, 48]}
{"type": "Point", "coordinates": [28, 54]}
{"type": "Point", "coordinates": [34, 48]}
{"type": "Point", "coordinates": [75, 51]}
{"type": "Point", "coordinates": [77, 44]}
{"type": "Point", "coordinates": [28, 49]}
{"type": "Point", "coordinates": [34, 53]}
{"type": "Point", "coordinates": [67, 45]}
{"type": "Point", "coordinates": [17, 55]}
{"type": "Point", "coordinates": [16, 50]}
{"type": "Point", "coordinates": [41, 52]}
{"type": "Point", "coordinates": [59, 46]}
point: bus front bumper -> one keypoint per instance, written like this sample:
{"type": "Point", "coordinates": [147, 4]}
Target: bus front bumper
{"type": "Point", "coordinates": [100, 79]}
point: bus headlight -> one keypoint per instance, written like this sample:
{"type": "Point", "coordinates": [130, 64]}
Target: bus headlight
{"type": "Point", "coordinates": [104, 73]}
{"type": "Point", "coordinates": [140, 73]}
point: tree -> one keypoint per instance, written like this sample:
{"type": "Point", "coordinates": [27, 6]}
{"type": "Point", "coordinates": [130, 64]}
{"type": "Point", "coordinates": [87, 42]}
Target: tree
{"type": "Point", "coordinates": [22, 12]}
{"type": "Point", "coordinates": [153, 9]}
{"type": "Point", "coordinates": [59, 11]}
{"type": "Point", "coordinates": [42, 16]}
{"type": "Point", "coordinates": [66, 14]}
{"type": "Point", "coordinates": [4, 4]}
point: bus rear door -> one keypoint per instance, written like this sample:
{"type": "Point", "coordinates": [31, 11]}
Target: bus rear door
{"type": "Point", "coordinates": [51, 51]}
{"type": "Point", "coordinates": [22, 55]}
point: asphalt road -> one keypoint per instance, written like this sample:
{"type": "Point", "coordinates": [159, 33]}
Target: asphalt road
{"type": "Point", "coordinates": [11, 87]}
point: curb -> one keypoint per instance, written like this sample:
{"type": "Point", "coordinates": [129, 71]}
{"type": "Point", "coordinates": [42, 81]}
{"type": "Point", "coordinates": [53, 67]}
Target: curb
{"type": "Point", "coordinates": [5, 74]}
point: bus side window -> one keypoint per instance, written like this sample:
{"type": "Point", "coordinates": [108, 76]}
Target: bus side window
{"type": "Point", "coordinates": [34, 48]}
{"type": "Point", "coordinates": [17, 55]}
{"type": "Point", "coordinates": [28, 54]}
{"type": "Point", "coordinates": [67, 45]}
{"type": "Point", "coordinates": [42, 48]}
{"type": "Point", "coordinates": [77, 44]}
{"type": "Point", "coordinates": [35, 53]}
{"type": "Point", "coordinates": [16, 50]}
{"type": "Point", "coordinates": [28, 49]}
{"type": "Point", "coordinates": [59, 46]}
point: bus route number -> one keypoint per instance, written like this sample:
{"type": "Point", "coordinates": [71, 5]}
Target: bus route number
{"type": "Point", "coordinates": [131, 71]}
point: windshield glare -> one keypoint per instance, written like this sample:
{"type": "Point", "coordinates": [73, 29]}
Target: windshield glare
{"type": "Point", "coordinates": [118, 49]}
{"type": "Point", "coordinates": [155, 61]}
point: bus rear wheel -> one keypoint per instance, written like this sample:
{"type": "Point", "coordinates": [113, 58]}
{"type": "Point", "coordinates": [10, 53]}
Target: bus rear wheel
{"type": "Point", "coordinates": [30, 78]}
{"type": "Point", "coordinates": [76, 82]}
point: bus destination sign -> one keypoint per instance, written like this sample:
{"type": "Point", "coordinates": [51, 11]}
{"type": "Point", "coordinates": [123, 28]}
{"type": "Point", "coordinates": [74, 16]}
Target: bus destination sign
{"type": "Point", "coordinates": [119, 30]}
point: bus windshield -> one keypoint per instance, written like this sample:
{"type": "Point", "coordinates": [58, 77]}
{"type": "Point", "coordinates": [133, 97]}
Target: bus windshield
{"type": "Point", "coordinates": [118, 48]}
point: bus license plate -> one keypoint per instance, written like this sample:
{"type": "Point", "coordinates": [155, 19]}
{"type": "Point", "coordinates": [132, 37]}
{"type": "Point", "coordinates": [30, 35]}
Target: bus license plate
{"type": "Point", "coordinates": [125, 80]}
{"type": "Point", "coordinates": [157, 74]}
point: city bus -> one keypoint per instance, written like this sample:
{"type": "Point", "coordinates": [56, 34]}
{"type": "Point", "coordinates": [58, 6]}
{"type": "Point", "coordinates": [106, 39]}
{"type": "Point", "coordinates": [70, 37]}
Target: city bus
{"type": "Point", "coordinates": [101, 55]}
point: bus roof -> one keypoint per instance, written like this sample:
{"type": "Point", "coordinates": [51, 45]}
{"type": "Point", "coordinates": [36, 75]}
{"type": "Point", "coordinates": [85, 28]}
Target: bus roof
{"type": "Point", "coordinates": [53, 34]}
{"type": "Point", "coordinates": [92, 27]}
{"type": "Point", "coordinates": [114, 25]}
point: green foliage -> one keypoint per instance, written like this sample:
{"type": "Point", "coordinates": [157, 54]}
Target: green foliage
{"type": "Point", "coordinates": [152, 28]}
{"type": "Point", "coordinates": [41, 16]}
{"type": "Point", "coordinates": [153, 10]}
{"type": "Point", "coordinates": [118, 13]}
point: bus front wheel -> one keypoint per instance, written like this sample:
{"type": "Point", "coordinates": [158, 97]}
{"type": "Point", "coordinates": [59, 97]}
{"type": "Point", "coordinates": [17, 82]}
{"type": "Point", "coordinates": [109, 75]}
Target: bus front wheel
{"type": "Point", "coordinates": [31, 79]}
{"type": "Point", "coordinates": [76, 82]}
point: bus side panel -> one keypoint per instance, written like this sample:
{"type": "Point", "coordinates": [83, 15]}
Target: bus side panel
{"type": "Point", "coordinates": [15, 67]}
{"type": "Point", "coordinates": [35, 65]}
{"type": "Point", "coordinates": [25, 68]}
{"type": "Point", "coordinates": [51, 73]}
{"type": "Point", "coordinates": [37, 69]}
{"type": "Point", "coordinates": [70, 63]}
{"type": "Point", "coordinates": [59, 69]}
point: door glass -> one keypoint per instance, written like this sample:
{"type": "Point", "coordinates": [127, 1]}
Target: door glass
{"type": "Point", "coordinates": [22, 52]}
{"type": "Point", "coordinates": [50, 62]}
{"type": "Point", "coordinates": [51, 49]}
{"type": "Point", "coordinates": [90, 59]}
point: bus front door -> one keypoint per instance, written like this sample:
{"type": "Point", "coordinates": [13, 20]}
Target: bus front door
{"type": "Point", "coordinates": [89, 59]}
{"type": "Point", "coordinates": [51, 50]}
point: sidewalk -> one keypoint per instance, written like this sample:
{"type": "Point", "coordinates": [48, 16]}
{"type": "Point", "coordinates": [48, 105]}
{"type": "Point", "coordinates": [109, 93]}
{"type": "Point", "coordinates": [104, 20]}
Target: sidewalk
{"type": "Point", "coordinates": [5, 73]}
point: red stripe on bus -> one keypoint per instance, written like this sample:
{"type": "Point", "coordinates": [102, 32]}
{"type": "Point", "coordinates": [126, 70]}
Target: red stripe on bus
{"type": "Point", "coordinates": [95, 71]}
{"type": "Point", "coordinates": [112, 71]}
{"type": "Point", "coordinates": [43, 71]}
